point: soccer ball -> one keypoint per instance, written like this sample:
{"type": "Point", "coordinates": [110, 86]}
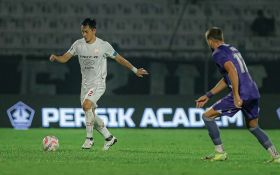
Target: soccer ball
{"type": "Point", "coordinates": [50, 143]}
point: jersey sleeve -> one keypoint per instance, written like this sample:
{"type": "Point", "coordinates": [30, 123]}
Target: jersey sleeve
{"type": "Point", "coordinates": [221, 58]}
{"type": "Point", "coordinates": [73, 49]}
{"type": "Point", "coordinates": [110, 51]}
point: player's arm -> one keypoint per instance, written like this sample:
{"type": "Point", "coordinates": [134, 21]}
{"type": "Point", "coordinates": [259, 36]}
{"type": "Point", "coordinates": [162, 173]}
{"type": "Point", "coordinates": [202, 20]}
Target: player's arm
{"type": "Point", "coordinates": [221, 85]}
{"type": "Point", "coordinates": [201, 101]}
{"type": "Point", "coordinates": [139, 72]}
{"type": "Point", "coordinates": [62, 59]}
{"type": "Point", "coordinates": [233, 76]}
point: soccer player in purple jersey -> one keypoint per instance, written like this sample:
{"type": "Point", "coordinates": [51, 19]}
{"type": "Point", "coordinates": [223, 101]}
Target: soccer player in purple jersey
{"type": "Point", "coordinates": [244, 96]}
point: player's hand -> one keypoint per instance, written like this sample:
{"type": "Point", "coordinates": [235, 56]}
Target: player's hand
{"type": "Point", "coordinates": [201, 101]}
{"type": "Point", "coordinates": [140, 72]}
{"type": "Point", "coordinates": [238, 102]}
{"type": "Point", "coordinates": [52, 58]}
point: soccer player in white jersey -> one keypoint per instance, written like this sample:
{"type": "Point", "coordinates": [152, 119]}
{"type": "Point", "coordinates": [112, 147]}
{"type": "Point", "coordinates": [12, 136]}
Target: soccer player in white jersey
{"type": "Point", "coordinates": [93, 53]}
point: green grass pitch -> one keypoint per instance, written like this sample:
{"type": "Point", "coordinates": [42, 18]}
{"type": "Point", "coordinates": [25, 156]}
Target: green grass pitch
{"type": "Point", "coordinates": [138, 151]}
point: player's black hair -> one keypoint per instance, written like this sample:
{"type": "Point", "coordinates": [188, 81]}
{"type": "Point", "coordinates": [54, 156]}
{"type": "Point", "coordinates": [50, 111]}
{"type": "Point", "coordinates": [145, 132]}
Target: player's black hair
{"type": "Point", "coordinates": [215, 33]}
{"type": "Point", "coordinates": [89, 22]}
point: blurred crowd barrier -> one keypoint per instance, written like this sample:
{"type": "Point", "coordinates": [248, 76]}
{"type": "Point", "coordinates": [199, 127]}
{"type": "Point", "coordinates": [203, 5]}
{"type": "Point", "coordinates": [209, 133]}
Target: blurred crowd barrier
{"type": "Point", "coordinates": [140, 26]}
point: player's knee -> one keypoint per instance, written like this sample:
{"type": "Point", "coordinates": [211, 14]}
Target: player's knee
{"type": "Point", "coordinates": [205, 117]}
{"type": "Point", "coordinates": [210, 115]}
{"type": "Point", "coordinates": [252, 124]}
{"type": "Point", "coordinates": [87, 106]}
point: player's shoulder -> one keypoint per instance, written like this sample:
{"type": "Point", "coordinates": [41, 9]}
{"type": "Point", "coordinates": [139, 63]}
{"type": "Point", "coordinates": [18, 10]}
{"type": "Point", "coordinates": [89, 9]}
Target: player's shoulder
{"type": "Point", "coordinates": [79, 41]}
{"type": "Point", "coordinates": [224, 49]}
{"type": "Point", "coordinates": [228, 48]}
{"type": "Point", "coordinates": [218, 52]}
{"type": "Point", "coordinates": [101, 41]}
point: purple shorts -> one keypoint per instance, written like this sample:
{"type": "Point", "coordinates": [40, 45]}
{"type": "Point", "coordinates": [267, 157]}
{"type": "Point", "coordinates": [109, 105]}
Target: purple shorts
{"type": "Point", "coordinates": [225, 106]}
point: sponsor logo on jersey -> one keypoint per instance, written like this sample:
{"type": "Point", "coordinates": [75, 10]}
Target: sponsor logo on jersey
{"type": "Point", "coordinates": [88, 62]}
{"type": "Point", "coordinates": [83, 56]}
{"type": "Point", "coordinates": [89, 57]}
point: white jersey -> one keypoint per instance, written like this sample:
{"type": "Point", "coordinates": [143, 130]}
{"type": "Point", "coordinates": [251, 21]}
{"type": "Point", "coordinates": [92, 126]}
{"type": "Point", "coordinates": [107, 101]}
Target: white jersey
{"type": "Point", "coordinates": [93, 60]}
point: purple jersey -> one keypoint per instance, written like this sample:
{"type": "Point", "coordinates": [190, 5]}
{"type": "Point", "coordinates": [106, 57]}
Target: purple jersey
{"type": "Point", "coordinates": [247, 87]}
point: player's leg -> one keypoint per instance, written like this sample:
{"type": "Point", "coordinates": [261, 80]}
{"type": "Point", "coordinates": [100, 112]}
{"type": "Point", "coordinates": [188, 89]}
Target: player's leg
{"type": "Point", "coordinates": [89, 118]}
{"type": "Point", "coordinates": [213, 129]}
{"type": "Point", "coordinates": [98, 122]}
{"type": "Point", "coordinates": [214, 133]}
{"type": "Point", "coordinates": [87, 105]}
{"type": "Point", "coordinates": [251, 112]}
{"type": "Point", "coordinates": [225, 106]}
{"type": "Point", "coordinates": [263, 138]}
{"type": "Point", "coordinates": [102, 129]}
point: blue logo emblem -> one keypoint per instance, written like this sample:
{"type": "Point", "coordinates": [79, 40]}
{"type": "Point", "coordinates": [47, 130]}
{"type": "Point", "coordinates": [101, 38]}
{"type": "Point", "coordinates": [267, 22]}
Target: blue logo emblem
{"type": "Point", "coordinates": [20, 115]}
{"type": "Point", "coordinates": [278, 113]}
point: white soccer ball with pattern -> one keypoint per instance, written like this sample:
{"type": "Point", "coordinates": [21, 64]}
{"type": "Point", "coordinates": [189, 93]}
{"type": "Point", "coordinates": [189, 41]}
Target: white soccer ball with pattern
{"type": "Point", "coordinates": [50, 143]}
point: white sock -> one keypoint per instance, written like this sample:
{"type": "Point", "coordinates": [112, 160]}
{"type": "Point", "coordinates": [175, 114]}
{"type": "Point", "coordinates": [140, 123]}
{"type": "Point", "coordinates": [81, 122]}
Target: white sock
{"type": "Point", "coordinates": [104, 131]}
{"type": "Point", "coordinates": [219, 148]}
{"type": "Point", "coordinates": [100, 127]}
{"type": "Point", "coordinates": [89, 123]}
{"type": "Point", "coordinates": [273, 152]}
